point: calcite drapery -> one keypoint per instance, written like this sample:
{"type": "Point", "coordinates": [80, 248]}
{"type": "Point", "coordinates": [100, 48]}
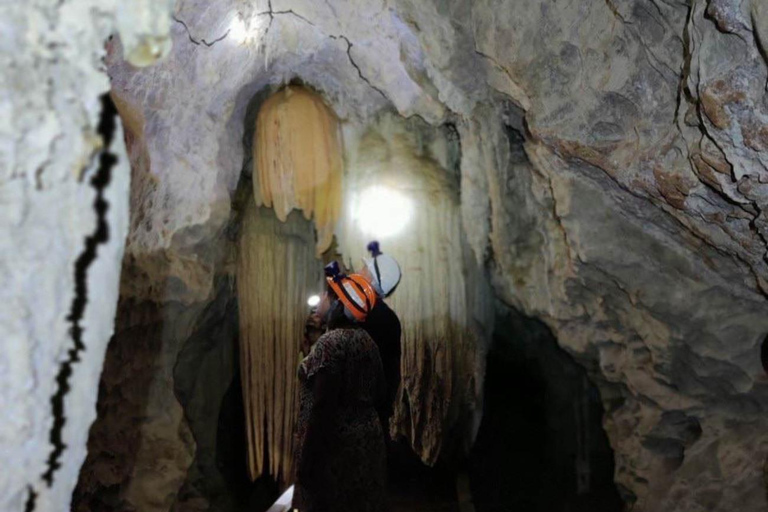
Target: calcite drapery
{"type": "Point", "coordinates": [442, 362]}
{"type": "Point", "coordinates": [276, 271]}
{"type": "Point", "coordinates": [298, 159]}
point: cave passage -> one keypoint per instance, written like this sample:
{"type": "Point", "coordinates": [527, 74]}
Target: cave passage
{"type": "Point", "coordinates": [541, 446]}
{"type": "Point", "coordinates": [213, 394]}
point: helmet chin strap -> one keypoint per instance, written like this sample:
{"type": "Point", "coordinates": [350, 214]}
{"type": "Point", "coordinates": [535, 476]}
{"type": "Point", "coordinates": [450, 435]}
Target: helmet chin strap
{"type": "Point", "coordinates": [335, 304]}
{"type": "Point", "coordinates": [327, 315]}
{"type": "Point", "coordinates": [378, 272]}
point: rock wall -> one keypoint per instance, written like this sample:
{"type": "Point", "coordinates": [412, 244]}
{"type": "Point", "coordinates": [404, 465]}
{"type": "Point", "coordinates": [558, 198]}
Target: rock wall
{"type": "Point", "coordinates": [140, 447]}
{"type": "Point", "coordinates": [621, 215]}
{"type": "Point", "coordinates": [64, 195]}
{"type": "Point", "coordinates": [170, 432]}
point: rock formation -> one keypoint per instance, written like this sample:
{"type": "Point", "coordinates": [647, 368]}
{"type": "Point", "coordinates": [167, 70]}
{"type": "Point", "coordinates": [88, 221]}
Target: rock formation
{"type": "Point", "coordinates": [276, 273]}
{"type": "Point", "coordinates": [64, 188]}
{"type": "Point", "coordinates": [613, 171]}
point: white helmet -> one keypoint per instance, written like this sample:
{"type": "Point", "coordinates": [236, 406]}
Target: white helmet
{"type": "Point", "coordinates": [384, 270]}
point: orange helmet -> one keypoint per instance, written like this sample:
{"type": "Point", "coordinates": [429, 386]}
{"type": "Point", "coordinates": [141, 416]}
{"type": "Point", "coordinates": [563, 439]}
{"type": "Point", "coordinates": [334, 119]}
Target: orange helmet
{"type": "Point", "coordinates": [357, 294]}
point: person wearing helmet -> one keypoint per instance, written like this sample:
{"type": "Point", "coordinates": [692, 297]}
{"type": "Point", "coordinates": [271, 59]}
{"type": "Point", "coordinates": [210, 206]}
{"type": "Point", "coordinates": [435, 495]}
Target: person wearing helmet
{"type": "Point", "coordinates": [340, 456]}
{"type": "Point", "coordinates": [382, 324]}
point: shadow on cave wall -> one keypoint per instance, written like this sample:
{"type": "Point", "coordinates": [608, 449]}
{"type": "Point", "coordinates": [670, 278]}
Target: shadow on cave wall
{"type": "Point", "coordinates": [207, 385]}
{"type": "Point", "coordinates": [162, 353]}
{"type": "Point", "coordinates": [541, 446]}
{"type": "Point", "coordinates": [124, 390]}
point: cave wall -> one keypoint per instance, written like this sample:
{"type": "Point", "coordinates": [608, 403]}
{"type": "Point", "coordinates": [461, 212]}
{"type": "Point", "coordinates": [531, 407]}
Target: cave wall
{"type": "Point", "coordinates": [170, 431]}
{"type": "Point", "coordinates": [662, 286]}
{"type": "Point", "coordinates": [140, 446]}
{"type": "Point", "coordinates": [206, 381]}
{"type": "Point", "coordinates": [64, 194]}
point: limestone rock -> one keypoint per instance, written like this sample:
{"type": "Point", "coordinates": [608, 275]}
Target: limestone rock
{"type": "Point", "coordinates": [140, 447]}
{"type": "Point", "coordinates": [57, 189]}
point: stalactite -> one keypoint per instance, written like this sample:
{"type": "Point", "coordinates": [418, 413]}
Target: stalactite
{"type": "Point", "coordinates": [442, 351]}
{"type": "Point", "coordinates": [276, 272]}
{"type": "Point", "coordinates": [298, 159]}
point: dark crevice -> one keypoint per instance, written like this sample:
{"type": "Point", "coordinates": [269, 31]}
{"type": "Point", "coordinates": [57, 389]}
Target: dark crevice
{"type": "Point", "coordinates": [541, 446]}
{"type": "Point", "coordinates": [683, 90]}
{"type": "Point", "coordinates": [516, 141]}
{"type": "Point", "coordinates": [99, 182]}
{"type": "Point", "coordinates": [453, 137]}
{"type": "Point", "coordinates": [31, 499]}
{"type": "Point", "coordinates": [201, 41]}
{"type": "Point", "coordinates": [354, 64]}
{"type": "Point", "coordinates": [272, 13]}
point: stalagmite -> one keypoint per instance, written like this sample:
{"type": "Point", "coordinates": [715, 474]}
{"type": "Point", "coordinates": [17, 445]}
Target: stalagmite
{"type": "Point", "coordinates": [298, 159]}
{"type": "Point", "coordinates": [391, 181]}
{"type": "Point", "coordinates": [276, 272]}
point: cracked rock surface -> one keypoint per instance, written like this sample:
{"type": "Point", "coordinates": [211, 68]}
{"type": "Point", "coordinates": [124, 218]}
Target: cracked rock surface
{"type": "Point", "coordinates": [614, 170]}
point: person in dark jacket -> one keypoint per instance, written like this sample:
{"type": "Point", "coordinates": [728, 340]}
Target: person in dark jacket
{"type": "Point", "coordinates": [382, 324]}
{"type": "Point", "coordinates": [340, 456]}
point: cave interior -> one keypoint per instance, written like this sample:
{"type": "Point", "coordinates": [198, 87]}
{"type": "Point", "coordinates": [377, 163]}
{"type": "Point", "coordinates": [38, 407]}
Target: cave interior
{"type": "Point", "coordinates": [575, 192]}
